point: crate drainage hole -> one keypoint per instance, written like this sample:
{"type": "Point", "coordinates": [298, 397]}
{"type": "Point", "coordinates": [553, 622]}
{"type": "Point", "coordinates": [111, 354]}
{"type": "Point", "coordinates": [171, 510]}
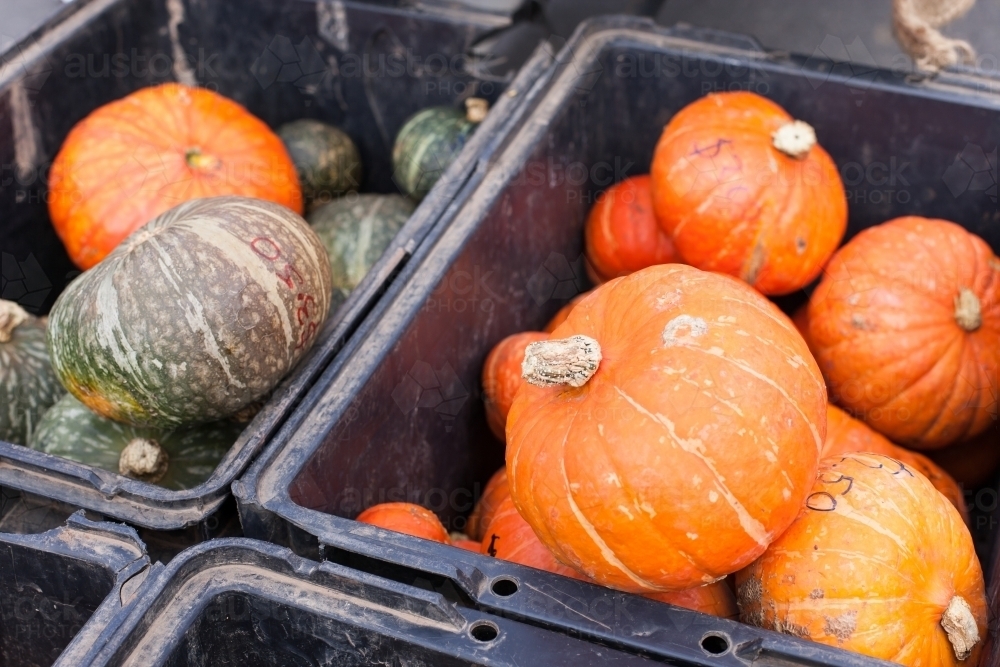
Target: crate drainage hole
{"type": "Point", "coordinates": [715, 644]}
{"type": "Point", "coordinates": [504, 587]}
{"type": "Point", "coordinates": [484, 631]}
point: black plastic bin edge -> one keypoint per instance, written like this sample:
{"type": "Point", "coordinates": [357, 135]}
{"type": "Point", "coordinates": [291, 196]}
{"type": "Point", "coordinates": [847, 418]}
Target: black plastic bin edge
{"type": "Point", "coordinates": [125, 499]}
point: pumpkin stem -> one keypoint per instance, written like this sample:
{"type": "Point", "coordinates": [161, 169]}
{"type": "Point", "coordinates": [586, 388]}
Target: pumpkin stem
{"type": "Point", "coordinates": [960, 626]}
{"type": "Point", "coordinates": [794, 139]}
{"type": "Point", "coordinates": [571, 361]}
{"type": "Point", "coordinates": [968, 310]}
{"type": "Point", "coordinates": [475, 109]}
{"type": "Point", "coordinates": [11, 317]}
{"type": "Point", "coordinates": [198, 160]}
{"type": "Point", "coordinates": [144, 460]}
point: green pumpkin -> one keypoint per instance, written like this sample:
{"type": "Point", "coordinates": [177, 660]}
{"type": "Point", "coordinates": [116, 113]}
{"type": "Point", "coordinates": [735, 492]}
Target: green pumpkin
{"type": "Point", "coordinates": [327, 161]}
{"type": "Point", "coordinates": [71, 430]}
{"type": "Point", "coordinates": [28, 385]}
{"type": "Point", "coordinates": [194, 316]}
{"type": "Point", "coordinates": [356, 230]}
{"type": "Point", "coordinates": [429, 142]}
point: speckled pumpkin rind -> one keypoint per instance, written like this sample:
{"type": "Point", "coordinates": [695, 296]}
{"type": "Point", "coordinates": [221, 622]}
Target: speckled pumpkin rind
{"type": "Point", "coordinates": [194, 316]}
{"type": "Point", "coordinates": [426, 146]}
{"type": "Point", "coordinates": [28, 385]}
{"type": "Point", "coordinates": [73, 431]}
{"type": "Point", "coordinates": [327, 161]}
{"type": "Point", "coordinates": [356, 230]}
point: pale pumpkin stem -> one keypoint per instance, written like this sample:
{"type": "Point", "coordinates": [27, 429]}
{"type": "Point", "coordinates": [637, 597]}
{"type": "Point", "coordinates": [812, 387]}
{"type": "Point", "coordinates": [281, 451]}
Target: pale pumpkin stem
{"type": "Point", "coordinates": [476, 109]}
{"type": "Point", "coordinates": [968, 310]}
{"type": "Point", "coordinates": [571, 361]}
{"type": "Point", "coordinates": [11, 317]}
{"type": "Point", "coordinates": [960, 626]}
{"type": "Point", "coordinates": [794, 139]}
{"type": "Point", "coordinates": [144, 460]}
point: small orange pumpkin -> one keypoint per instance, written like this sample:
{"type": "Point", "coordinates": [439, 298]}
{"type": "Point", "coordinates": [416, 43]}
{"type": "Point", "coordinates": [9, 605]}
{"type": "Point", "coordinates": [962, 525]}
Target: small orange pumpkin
{"type": "Point", "coordinates": [714, 599]}
{"type": "Point", "coordinates": [496, 490]}
{"type": "Point", "coordinates": [502, 377]}
{"type": "Point", "coordinates": [621, 234]}
{"type": "Point", "coordinates": [744, 189]}
{"type": "Point", "coordinates": [509, 537]}
{"type": "Point", "coordinates": [878, 562]}
{"type": "Point", "coordinates": [468, 545]}
{"type": "Point", "coordinates": [973, 463]}
{"type": "Point", "coordinates": [905, 327]}
{"type": "Point", "coordinates": [406, 518]}
{"type": "Point", "coordinates": [674, 431]}
{"type": "Point", "coordinates": [563, 313]}
{"type": "Point", "coordinates": [137, 157]}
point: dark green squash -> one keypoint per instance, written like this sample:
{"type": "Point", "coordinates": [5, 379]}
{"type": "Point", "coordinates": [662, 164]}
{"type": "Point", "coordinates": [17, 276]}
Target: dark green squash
{"type": "Point", "coordinates": [429, 142]}
{"type": "Point", "coordinates": [28, 385]}
{"type": "Point", "coordinates": [356, 230]}
{"type": "Point", "coordinates": [175, 459]}
{"type": "Point", "coordinates": [195, 315]}
{"type": "Point", "coordinates": [327, 161]}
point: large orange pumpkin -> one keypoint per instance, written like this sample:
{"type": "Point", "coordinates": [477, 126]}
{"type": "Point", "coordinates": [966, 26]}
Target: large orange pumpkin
{"type": "Point", "coordinates": [621, 235]}
{"type": "Point", "coordinates": [906, 328]}
{"type": "Point", "coordinates": [139, 156]}
{"type": "Point", "coordinates": [744, 189]}
{"type": "Point", "coordinates": [878, 562]}
{"type": "Point", "coordinates": [496, 490]}
{"type": "Point", "coordinates": [406, 518]}
{"type": "Point", "coordinates": [973, 463]}
{"type": "Point", "coordinates": [502, 377]}
{"type": "Point", "coordinates": [678, 433]}
{"type": "Point", "coordinates": [714, 599]}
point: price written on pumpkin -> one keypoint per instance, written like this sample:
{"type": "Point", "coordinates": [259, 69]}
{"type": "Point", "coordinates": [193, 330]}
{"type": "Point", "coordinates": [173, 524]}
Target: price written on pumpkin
{"type": "Point", "coordinates": [306, 310]}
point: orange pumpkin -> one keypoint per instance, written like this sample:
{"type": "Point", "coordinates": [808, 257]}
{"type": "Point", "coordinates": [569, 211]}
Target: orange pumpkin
{"type": "Point", "coordinates": [509, 537]}
{"type": "Point", "coordinates": [744, 189]}
{"type": "Point", "coordinates": [563, 313]}
{"type": "Point", "coordinates": [139, 156]}
{"type": "Point", "coordinates": [621, 235]}
{"type": "Point", "coordinates": [496, 490]}
{"type": "Point", "coordinates": [846, 435]}
{"type": "Point", "coordinates": [677, 434]}
{"type": "Point", "coordinates": [905, 326]}
{"type": "Point", "coordinates": [714, 599]}
{"type": "Point", "coordinates": [878, 562]}
{"type": "Point", "coordinates": [502, 377]}
{"type": "Point", "coordinates": [468, 545]}
{"type": "Point", "coordinates": [973, 463]}
{"type": "Point", "coordinates": [800, 318]}
{"type": "Point", "coordinates": [406, 518]}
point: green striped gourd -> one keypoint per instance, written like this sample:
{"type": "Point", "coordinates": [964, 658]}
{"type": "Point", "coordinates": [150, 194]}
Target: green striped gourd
{"type": "Point", "coordinates": [356, 230]}
{"type": "Point", "coordinates": [28, 385]}
{"type": "Point", "coordinates": [175, 459]}
{"type": "Point", "coordinates": [195, 315]}
{"type": "Point", "coordinates": [429, 142]}
{"type": "Point", "coordinates": [327, 161]}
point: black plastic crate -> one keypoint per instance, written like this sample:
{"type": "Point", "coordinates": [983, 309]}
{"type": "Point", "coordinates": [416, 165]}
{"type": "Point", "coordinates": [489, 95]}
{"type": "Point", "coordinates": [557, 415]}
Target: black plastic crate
{"type": "Point", "coordinates": [363, 67]}
{"type": "Point", "coordinates": [60, 589]}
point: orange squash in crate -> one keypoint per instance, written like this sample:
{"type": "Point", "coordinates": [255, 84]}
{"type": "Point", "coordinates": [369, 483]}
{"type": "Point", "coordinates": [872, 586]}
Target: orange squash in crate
{"type": "Point", "coordinates": [137, 157]}
{"type": "Point", "coordinates": [502, 377]}
{"type": "Point", "coordinates": [482, 514]}
{"type": "Point", "coordinates": [406, 518]}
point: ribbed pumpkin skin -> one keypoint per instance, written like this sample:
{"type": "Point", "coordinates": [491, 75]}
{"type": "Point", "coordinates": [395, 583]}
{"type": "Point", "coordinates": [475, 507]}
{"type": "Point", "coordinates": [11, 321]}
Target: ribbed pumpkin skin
{"type": "Point", "coordinates": [870, 565]}
{"type": "Point", "coordinates": [28, 385]}
{"type": "Point", "coordinates": [734, 204]}
{"type": "Point", "coordinates": [195, 316]}
{"type": "Point", "coordinates": [689, 450]}
{"type": "Point", "coordinates": [128, 162]}
{"type": "Point", "coordinates": [714, 599]}
{"type": "Point", "coordinates": [356, 230]}
{"type": "Point", "coordinates": [496, 490]}
{"type": "Point", "coordinates": [502, 377]}
{"type": "Point", "coordinates": [406, 518]}
{"type": "Point", "coordinates": [71, 430]}
{"type": "Point", "coordinates": [563, 312]}
{"type": "Point", "coordinates": [973, 463]}
{"type": "Point", "coordinates": [509, 537]}
{"type": "Point", "coordinates": [426, 145]}
{"type": "Point", "coordinates": [621, 234]}
{"type": "Point", "coordinates": [326, 160]}
{"type": "Point", "coordinates": [882, 327]}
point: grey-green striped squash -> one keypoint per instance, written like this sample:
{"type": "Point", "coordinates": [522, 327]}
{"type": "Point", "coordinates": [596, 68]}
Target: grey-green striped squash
{"type": "Point", "coordinates": [356, 230]}
{"type": "Point", "coordinates": [429, 142]}
{"type": "Point", "coordinates": [28, 385]}
{"type": "Point", "coordinates": [327, 161]}
{"type": "Point", "coordinates": [195, 315]}
{"type": "Point", "coordinates": [176, 459]}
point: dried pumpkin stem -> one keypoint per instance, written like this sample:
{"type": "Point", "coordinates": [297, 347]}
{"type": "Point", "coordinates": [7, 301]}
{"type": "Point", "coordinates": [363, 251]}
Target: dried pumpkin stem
{"type": "Point", "coordinates": [572, 361]}
{"type": "Point", "coordinates": [11, 317]}
{"type": "Point", "coordinates": [968, 310]}
{"type": "Point", "coordinates": [794, 139]}
{"type": "Point", "coordinates": [960, 626]}
{"type": "Point", "coordinates": [476, 109]}
{"type": "Point", "coordinates": [144, 460]}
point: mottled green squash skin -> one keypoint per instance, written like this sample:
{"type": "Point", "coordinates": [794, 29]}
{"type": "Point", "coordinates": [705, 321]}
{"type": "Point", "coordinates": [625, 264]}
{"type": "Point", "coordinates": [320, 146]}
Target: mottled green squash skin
{"type": "Point", "coordinates": [28, 385]}
{"type": "Point", "coordinates": [195, 315]}
{"type": "Point", "coordinates": [327, 161]}
{"type": "Point", "coordinates": [426, 145]}
{"type": "Point", "coordinates": [356, 230]}
{"type": "Point", "coordinates": [71, 430]}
